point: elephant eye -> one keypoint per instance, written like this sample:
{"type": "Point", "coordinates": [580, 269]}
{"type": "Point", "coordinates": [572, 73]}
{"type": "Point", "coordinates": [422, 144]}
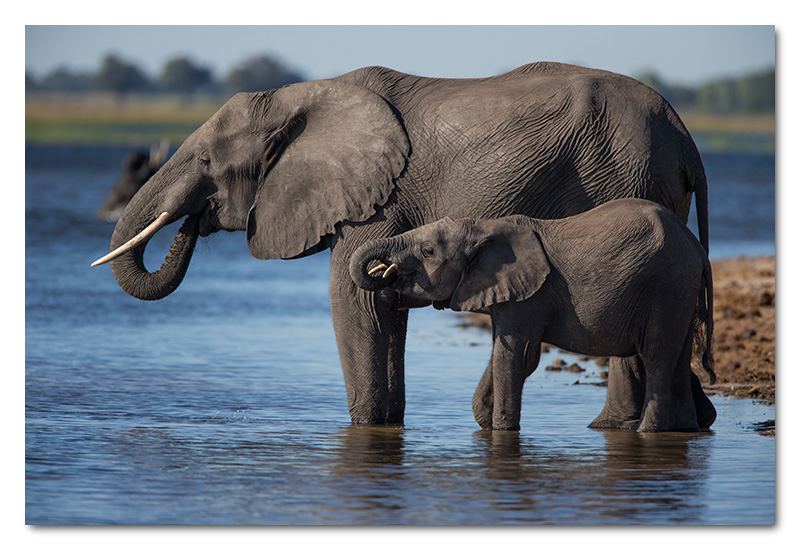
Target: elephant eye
{"type": "Point", "coordinates": [427, 250]}
{"type": "Point", "coordinates": [204, 160]}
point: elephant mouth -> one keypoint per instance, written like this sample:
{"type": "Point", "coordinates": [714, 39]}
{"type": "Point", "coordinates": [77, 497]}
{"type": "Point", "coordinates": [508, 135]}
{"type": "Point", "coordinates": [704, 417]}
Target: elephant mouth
{"type": "Point", "coordinates": [389, 273]}
{"type": "Point", "coordinates": [208, 222]}
{"type": "Point", "coordinates": [392, 276]}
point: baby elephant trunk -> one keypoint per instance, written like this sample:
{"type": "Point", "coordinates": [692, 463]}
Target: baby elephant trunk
{"type": "Point", "coordinates": [370, 266]}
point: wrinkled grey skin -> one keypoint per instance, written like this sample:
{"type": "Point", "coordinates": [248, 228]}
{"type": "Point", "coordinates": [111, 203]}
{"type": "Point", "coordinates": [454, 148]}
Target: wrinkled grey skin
{"type": "Point", "coordinates": [139, 166]}
{"type": "Point", "coordinates": [622, 279]}
{"type": "Point", "coordinates": [373, 153]}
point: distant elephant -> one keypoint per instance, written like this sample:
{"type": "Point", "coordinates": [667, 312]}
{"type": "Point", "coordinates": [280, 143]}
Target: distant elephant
{"type": "Point", "coordinates": [139, 167]}
{"type": "Point", "coordinates": [619, 280]}
{"type": "Point", "coordinates": [375, 152]}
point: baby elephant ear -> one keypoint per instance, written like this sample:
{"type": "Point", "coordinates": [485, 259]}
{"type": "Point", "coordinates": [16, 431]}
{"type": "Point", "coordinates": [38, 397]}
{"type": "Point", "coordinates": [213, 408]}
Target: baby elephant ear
{"type": "Point", "coordinates": [341, 159]}
{"type": "Point", "coordinates": [509, 265]}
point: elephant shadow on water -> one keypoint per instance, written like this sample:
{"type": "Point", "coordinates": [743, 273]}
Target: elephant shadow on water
{"type": "Point", "coordinates": [334, 163]}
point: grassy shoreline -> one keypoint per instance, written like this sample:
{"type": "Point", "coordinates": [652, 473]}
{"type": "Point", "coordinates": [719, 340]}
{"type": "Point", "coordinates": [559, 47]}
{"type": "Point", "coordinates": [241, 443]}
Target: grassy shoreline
{"type": "Point", "coordinates": [104, 118]}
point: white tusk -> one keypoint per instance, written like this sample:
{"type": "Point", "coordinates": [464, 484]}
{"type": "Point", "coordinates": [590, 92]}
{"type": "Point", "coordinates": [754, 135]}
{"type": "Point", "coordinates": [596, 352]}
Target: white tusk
{"type": "Point", "coordinates": [377, 269]}
{"type": "Point", "coordinates": [391, 269]}
{"type": "Point", "coordinates": [148, 232]}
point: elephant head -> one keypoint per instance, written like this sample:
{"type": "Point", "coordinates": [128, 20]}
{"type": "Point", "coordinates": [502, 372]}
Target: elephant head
{"type": "Point", "coordinates": [467, 265]}
{"type": "Point", "coordinates": [284, 165]}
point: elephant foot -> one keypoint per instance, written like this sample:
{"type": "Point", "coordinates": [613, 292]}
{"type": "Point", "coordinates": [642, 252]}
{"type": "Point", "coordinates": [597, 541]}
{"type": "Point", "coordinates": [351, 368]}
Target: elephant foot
{"type": "Point", "coordinates": [609, 422]}
{"type": "Point", "coordinates": [678, 419]}
{"type": "Point", "coordinates": [368, 416]}
{"type": "Point", "coordinates": [645, 428]}
{"type": "Point", "coordinates": [483, 410]}
{"type": "Point", "coordinates": [613, 417]}
{"type": "Point", "coordinates": [507, 429]}
{"type": "Point", "coordinates": [370, 421]}
{"type": "Point", "coordinates": [394, 418]}
{"type": "Point", "coordinates": [624, 397]}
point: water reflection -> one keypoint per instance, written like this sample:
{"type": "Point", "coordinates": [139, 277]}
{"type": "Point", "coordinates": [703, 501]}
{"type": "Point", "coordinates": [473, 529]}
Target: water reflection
{"type": "Point", "coordinates": [662, 473]}
{"type": "Point", "coordinates": [503, 477]}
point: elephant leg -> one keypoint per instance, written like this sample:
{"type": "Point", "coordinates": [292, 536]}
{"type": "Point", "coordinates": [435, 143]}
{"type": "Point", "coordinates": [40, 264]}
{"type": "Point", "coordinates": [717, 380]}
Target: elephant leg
{"type": "Point", "coordinates": [483, 399]}
{"type": "Point", "coordinates": [516, 349]}
{"type": "Point", "coordinates": [514, 358]}
{"type": "Point", "coordinates": [370, 335]}
{"type": "Point", "coordinates": [395, 368]}
{"type": "Point", "coordinates": [669, 404]}
{"type": "Point", "coordinates": [484, 396]}
{"type": "Point", "coordinates": [507, 388]}
{"type": "Point", "coordinates": [625, 395]}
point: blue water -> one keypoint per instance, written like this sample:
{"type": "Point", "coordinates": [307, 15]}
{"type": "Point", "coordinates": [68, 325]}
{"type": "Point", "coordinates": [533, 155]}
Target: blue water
{"type": "Point", "coordinates": [224, 403]}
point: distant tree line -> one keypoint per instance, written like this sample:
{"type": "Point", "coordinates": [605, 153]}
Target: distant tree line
{"type": "Point", "coordinates": [180, 75]}
{"type": "Point", "coordinates": [749, 94]}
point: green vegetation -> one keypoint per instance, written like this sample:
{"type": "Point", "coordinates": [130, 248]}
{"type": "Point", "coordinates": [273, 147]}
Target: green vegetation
{"type": "Point", "coordinates": [752, 94]}
{"type": "Point", "coordinates": [745, 133]}
{"type": "Point", "coordinates": [142, 120]}
{"type": "Point", "coordinates": [99, 118]}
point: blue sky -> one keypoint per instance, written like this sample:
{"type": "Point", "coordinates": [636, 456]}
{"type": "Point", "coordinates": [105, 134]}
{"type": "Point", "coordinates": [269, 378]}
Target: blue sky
{"type": "Point", "coordinates": [679, 54]}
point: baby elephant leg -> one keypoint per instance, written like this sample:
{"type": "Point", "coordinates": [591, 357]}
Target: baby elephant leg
{"type": "Point", "coordinates": [483, 399]}
{"type": "Point", "coordinates": [513, 359]}
{"type": "Point", "coordinates": [668, 404]}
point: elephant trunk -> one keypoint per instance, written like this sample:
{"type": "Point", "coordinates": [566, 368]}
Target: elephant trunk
{"type": "Point", "coordinates": [370, 266]}
{"type": "Point", "coordinates": [129, 269]}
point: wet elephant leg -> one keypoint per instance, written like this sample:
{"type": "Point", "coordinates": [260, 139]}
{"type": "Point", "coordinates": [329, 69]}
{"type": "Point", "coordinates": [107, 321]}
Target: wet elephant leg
{"type": "Point", "coordinates": [483, 399]}
{"type": "Point", "coordinates": [396, 367]}
{"type": "Point", "coordinates": [625, 396]}
{"type": "Point", "coordinates": [669, 404]}
{"type": "Point", "coordinates": [370, 335]}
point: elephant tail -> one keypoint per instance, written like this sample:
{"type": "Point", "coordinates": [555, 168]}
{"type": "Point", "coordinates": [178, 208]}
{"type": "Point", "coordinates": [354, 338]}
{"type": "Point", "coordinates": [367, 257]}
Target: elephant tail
{"type": "Point", "coordinates": [696, 182]}
{"type": "Point", "coordinates": [704, 323]}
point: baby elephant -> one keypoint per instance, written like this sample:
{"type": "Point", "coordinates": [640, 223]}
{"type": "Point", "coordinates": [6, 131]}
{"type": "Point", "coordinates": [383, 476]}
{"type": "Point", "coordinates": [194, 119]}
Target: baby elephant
{"type": "Point", "coordinates": [625, 278]}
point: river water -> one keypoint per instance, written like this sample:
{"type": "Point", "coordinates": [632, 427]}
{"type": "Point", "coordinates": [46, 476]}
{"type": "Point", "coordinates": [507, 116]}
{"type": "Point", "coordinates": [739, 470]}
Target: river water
{"type": "Point", "coordinates": [224, 403]}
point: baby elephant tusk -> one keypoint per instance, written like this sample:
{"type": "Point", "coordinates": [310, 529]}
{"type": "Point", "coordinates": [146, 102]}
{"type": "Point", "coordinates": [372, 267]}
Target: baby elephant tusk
{"type": "Point", "coordinates": [377, 269]}
{"type": "Point", "coordinates": [391, 269]}
{"type": "Point", "coordinates": [148, 232]}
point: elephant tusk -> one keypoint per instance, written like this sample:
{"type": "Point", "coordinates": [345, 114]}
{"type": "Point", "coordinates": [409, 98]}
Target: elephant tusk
{"type": "Point", "coordinates": [391, 269]}
{"type": "Point", "coordinates": [148, 232]}
{"type": "Point", "coordinates": [377, 269]}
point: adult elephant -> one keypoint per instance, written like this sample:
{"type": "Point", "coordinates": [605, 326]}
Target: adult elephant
{"type": "Point", "coordinates": [375, 152]}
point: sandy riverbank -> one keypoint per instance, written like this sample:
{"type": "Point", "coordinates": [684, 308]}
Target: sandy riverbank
{"type": "Point", "coordinates": [744, 328]}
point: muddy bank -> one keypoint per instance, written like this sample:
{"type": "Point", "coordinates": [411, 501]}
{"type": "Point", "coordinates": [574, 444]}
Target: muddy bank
{"type": "Point", "coordinates": [744, 328]}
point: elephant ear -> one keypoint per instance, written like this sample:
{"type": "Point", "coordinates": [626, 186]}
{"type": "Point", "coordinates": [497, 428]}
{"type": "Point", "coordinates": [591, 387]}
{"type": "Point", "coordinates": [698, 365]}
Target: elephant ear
{"type": "Point", "coordinates": [508, 264]}
{"type": "Point", "coordinates": [346, 147]}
